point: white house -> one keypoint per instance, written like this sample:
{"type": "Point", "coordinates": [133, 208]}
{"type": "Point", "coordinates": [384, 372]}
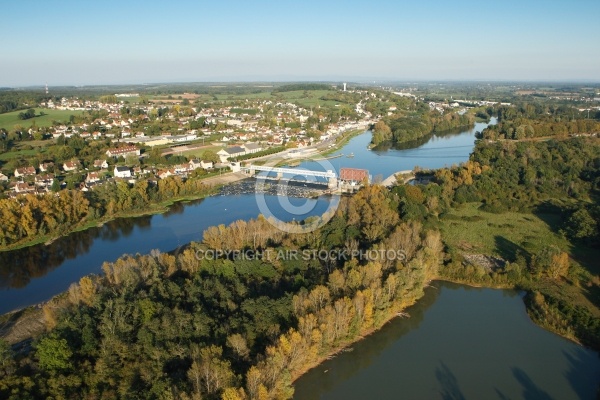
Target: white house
{"type": "Point", "coordinates": [71, 166]}
{"type": "Point", "coordinates": [165, 173]}
{"type": "Point", "coordinates": [25, 171]}
{"type": "Point", "coordinates": [122, 172]}
{"type": "Point", "coordinates": [44, 167]}
{"type": "Point", "coordinates": [100, 164]}
{"type": "Point", "coordinates": [44, 180]}
{"type": "Point", "coordinates": [92, 177]}
{"type": "Point", "coordinates": [206, 164]}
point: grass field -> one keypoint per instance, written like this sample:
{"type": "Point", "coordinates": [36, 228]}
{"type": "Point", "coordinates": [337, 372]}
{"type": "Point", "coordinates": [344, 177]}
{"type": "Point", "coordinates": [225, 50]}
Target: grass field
{"type": "Point", "coordinates": [9, 120]}
{"type": "Point", "coordinates": [470, 230]}
{"type": "Point", "coordinates": [311, 99]}
{"type": "Point", "coordinates": [19, 154]}
{"type": "Point", "coordinates": [198, 152]}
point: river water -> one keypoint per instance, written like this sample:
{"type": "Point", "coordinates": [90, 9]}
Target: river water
{"type": "Point", "coordinates": [458, 343]}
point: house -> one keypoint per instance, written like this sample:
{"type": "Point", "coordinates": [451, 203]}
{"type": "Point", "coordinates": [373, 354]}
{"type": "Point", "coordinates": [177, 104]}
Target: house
{"type": "Point", "coordinates": [181, 168]}
{"type": "Point", "coordinates": [3, 178]}
{"type": "Point", "coordinates": [71, 166]}
{"type": "Point", "coordinates": [123, 151]}
{"type": "Point", "coordinates": [44, 180]}
{"type": "Point", "coordinates": [206, 164]}
{"type": "Point", "coordinates": [100, 164]}
{"type": "Point", "coordinates": [24, 171]}
{"type": "Point", "coordinates": [24, 187]}
{"type": "Point", "coordinates": [122, 172]}
{"type": "Point", "coordinates": [231, 152]}
{"type": "Point", "coordinates": [92, 177]}
{"type": "Point", "coordinates": [165, 173]}
{"type": "Point", "coordinates": [194, 164]}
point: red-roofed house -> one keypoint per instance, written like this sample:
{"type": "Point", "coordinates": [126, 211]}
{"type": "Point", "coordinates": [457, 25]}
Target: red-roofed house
{"type": "Point", "coordinates": [353, 175]}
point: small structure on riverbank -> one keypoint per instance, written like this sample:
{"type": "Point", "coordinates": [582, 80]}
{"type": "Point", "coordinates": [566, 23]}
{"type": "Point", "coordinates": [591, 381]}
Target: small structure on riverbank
{"type": "Point", "coordinates": [352, 179]}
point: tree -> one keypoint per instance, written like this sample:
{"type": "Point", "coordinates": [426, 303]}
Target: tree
{"type": "Point", "coordinates": [209, 373]}
{"type": "Point", "coordinates": [581, 225]}
{"type": "Point", "coordinates": [30, 113]}
{"type": "Point", "coordinates": [209, 155]}
{"type": "Point", "coordinates": [55, 185]}
{"type": "Point", "coordinates": [238, 344]}
{"type": "Point", "coordinates": [7, 363]}
{"type": "Point", "coordinates": [54, 354]}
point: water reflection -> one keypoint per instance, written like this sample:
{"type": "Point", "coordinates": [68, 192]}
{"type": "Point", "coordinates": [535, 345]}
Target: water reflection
{"type": "Point", "coordinates": [459, 343]}
{"type": "Point", "coordinates": [18, 267]}
{"type": "Point", "coordinates": [344, 366]}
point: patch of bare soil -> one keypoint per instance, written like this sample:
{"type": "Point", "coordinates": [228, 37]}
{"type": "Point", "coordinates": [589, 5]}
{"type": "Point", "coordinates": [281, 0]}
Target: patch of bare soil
{"type": "Point", "coordinates": [490, 263]}
{"type": "Point", "coordinates": [22, 325]}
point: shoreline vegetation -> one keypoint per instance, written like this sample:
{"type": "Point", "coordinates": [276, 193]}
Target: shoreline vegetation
{"type": "Point", "coordinates": [151, 208]}
{"type": "Point", "coordinates": [416, 124]}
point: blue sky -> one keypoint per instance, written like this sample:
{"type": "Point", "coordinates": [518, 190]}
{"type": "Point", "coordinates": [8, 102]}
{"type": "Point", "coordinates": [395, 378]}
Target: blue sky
{"type": "Point", "coordinates": [111, 42]}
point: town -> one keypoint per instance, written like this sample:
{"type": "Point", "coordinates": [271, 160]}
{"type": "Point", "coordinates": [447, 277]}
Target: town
{"type": "Point", "coordinates": [113, 138]}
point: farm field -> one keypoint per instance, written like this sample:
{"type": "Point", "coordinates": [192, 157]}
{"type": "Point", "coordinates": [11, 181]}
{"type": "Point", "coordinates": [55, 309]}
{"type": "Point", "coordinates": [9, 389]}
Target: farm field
{"type": "Point", "coordinates": [9, 120]}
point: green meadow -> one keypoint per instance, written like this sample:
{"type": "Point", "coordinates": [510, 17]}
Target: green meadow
{"type": "Point", "coordinates": [9, 120]}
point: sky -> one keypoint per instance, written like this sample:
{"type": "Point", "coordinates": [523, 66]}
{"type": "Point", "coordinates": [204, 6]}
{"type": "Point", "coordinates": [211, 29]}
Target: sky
{"type": "Point", "coordinates": [119, 42]}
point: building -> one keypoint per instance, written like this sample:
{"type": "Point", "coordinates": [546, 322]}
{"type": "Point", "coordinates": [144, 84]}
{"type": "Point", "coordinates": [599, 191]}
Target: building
{"type": "Point", "coordinates": [252, 147]}
{"type": "Point", "coordinates": [71, 166]}
{"type": "Point", "coordinates": [24, 171]}
{"type": "Point", "coordinates": [206, 164]}
{"type": "Point", "coordinates": [45, 167]}
{"type": "Point", "coordinates": [353, 176]}
{"type": "Point", "coordinates": [122, 172]}
{"type": "Point", "coordinates": [231, 152]}
{"type": "Point", "coordinates": [92, 177]}
{"type": "Point", "coordinates": [44, 180]}
{"type": "Point", "coordinates": [102, 164]}
{"type": "Point", "coordinates": [165, 173]}
{"type": "Point", "coordinates": [123, 151]}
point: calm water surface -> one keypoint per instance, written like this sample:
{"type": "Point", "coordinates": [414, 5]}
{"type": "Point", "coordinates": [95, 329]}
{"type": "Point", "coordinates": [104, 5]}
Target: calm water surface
{"type": "Point", "coordinates": [34, 274]}
{"type": "Point", "coordinates": [459, 343]}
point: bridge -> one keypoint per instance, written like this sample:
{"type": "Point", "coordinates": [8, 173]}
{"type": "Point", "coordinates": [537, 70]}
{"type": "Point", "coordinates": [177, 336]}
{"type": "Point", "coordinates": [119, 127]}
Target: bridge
{"type": "Point", "coordinates": [330, 175]}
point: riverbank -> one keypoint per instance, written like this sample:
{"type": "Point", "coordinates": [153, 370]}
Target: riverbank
{"type": "Point", "coordinates": [212, 182]}
{"type": "Point", "coordinates": [342, 141]}
{"type": "Point", "coordinates": [396, 313]}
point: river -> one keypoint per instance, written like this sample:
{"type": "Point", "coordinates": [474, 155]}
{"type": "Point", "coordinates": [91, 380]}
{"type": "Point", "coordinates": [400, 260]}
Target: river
{"type": "Point", "coordinates": [458, 343]}
{"type": "Point", "coordinates": [34, 274]}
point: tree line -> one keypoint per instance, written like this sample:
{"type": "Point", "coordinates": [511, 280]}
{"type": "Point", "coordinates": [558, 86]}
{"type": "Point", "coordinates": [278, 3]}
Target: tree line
{"type": "Point", "coordinates": [401, 128]}
{"type": "Point", "coordinates": [32, 216]}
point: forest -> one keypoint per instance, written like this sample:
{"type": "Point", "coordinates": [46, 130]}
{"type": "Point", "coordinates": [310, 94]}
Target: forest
{"type": "Point", "coordinates": [402, 127]}
{"type": "Point", "coordinates": [536, 120]}
{"type": "Point", "coordinates": [173, 326]}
